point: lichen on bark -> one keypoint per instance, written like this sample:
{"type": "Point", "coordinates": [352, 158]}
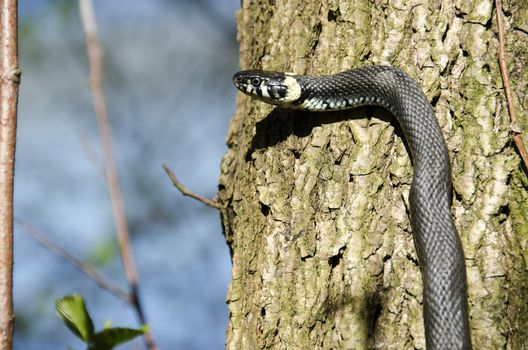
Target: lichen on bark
{"type": "Point", "coordinates": [315, 205]}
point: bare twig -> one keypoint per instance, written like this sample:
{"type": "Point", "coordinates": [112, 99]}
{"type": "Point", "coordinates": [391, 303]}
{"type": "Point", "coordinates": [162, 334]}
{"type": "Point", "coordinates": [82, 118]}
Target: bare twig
{"type": "Point", "coordinates": [516, 133]}
{"type": "Point", "coordinates": [9, 83]}
{"type": "Point", "coordinates": [101, 280]}
{"type": "Point", "coordinates": [186, 192]}
{"type": "Point", "coordinates": [112, 179]}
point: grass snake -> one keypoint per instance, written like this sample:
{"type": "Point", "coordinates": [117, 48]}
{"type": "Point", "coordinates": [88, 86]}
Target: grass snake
{"type": "Point", "coordinates": [438, 246]}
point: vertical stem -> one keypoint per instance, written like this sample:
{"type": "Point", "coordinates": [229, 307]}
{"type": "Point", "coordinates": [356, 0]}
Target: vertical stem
{"type": "Point", "coordinates": [96, 84]}
{"type": "Point", "coordinates": [9, 83]}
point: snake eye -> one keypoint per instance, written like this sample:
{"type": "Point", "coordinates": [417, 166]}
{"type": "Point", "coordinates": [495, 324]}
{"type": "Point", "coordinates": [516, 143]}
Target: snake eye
{"type": "Point", "coordinates": [255, 82]}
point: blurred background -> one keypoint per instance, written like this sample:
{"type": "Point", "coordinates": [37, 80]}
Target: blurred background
{"type": "Point", "coordinates": [168, 66]}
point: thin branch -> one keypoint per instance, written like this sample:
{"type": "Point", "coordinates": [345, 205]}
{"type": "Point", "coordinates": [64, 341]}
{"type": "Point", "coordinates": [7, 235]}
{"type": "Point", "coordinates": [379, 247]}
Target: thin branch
{"type": "Point", "coordinates": [186, 192]}
{"type": "Point", "coordinates": [90, 271]}
{"type": "Point", "coordinates": [9, 84]}
{"type": "Point", "coordinates": [93, 49]}
{"type": "Point", "coordinates": [514, 127]}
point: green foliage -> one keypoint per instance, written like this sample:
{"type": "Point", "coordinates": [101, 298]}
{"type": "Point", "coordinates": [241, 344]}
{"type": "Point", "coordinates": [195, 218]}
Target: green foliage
{"type": "Point", "coordinates": [72, 310]}
{"type": "Point", "coordinates": [110, 337]}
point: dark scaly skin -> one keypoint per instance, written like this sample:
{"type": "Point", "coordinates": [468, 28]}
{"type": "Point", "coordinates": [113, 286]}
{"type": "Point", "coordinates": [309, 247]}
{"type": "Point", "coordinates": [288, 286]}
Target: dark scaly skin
{"type": "Point", "coordinates": [437, 242]}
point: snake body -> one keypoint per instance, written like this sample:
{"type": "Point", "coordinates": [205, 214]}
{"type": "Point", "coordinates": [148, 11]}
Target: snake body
{"type": "Point", "coordinates": [438, 246]}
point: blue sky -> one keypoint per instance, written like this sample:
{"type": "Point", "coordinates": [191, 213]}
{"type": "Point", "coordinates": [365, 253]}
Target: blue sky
{"type": "Point", "coordinates": [168, 68]}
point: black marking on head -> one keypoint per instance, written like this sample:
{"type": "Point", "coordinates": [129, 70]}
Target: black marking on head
{"type": "Point", "coordinates": [271, 87]}
{"type": "Point", "coordinates": [277, 91]}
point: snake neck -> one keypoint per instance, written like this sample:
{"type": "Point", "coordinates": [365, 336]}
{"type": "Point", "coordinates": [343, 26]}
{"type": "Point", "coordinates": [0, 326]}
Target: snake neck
{"type": "Point", "coordinates": [387, 87]}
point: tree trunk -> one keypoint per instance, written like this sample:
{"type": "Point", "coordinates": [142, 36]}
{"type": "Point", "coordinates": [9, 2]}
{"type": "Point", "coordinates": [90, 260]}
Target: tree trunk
{"type": "Point", "coordinates": [316, 203]}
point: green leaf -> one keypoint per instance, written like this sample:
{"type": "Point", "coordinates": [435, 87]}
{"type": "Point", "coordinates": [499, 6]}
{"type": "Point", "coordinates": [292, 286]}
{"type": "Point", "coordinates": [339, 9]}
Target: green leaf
{"type": "Point", "coordinates": [109, 338]}
{"type": "Point", "coordinates": [72, 310]}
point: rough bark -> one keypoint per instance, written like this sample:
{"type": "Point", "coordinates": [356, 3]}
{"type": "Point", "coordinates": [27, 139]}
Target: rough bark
{"type": "Point", "coordinates": [315, 205]}
{"type": "Point", "coordinates": [9, 83]}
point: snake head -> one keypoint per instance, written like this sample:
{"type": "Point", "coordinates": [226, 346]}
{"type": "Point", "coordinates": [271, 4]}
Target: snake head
{"type": "Point", "coordinates": [272, 87]}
